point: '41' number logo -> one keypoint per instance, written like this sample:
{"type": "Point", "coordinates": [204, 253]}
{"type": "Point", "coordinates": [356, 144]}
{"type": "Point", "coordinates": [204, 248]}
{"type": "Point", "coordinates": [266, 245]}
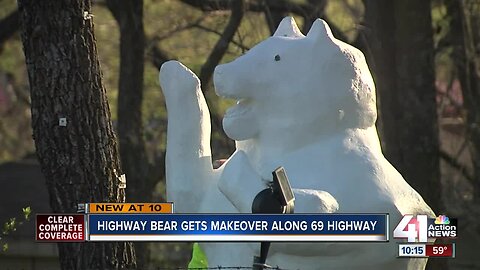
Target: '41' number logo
{"type": "Point", "coordinates": [412, 228]}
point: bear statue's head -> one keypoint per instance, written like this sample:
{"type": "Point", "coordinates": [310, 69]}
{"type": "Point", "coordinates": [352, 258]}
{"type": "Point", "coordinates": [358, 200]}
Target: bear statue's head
{"type": "Point", "coordinates": [313, 83]}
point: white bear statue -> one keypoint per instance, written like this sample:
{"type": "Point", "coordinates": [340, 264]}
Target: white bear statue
{"type": "Point", "coordinates": [306, 103]}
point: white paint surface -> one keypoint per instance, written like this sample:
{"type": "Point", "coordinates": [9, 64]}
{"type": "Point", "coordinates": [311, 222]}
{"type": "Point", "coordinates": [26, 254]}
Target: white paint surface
{"type": "Point", "coordinates": [313, 112]}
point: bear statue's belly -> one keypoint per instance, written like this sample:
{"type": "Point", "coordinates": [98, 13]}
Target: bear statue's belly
{"type": "Point", "coordinates": [337, 256]}
{"type": "Point", "coordinates": [354, 193]}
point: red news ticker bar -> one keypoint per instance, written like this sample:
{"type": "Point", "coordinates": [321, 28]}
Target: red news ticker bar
{"type": "Point", "coordinates": [60, 228]}
{"type": "Point", "coordinates": [440, 250]}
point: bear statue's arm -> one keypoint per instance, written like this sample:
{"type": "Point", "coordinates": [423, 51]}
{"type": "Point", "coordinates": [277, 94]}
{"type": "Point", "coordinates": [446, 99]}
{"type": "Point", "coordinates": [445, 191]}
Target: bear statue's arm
{"type": "Point", "coordinates": [240, 183]}
{"type": "Point", "coordinates": [314, 201]}
{"type": "Point", "coordinates": [188, 161]}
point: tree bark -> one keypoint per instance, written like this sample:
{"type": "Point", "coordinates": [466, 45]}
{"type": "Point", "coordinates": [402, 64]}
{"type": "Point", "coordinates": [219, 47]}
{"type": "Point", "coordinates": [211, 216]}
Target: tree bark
{"type": "Point", "coordinates": [416, 116]}
{"type": "Point", "coordinates": [379, 49]}
{"type": "Point", "coordinates": [140, 184]}
{"type": "Point", "coordinates": [406, 92]}
{"type": "Point", "coordinates": [464, 24]}
{"type": "Point", "coordinates": [400, 52]}
{"type": "Point", "coordinates": [80, 160]}
{"type": "Point", "coordinates": [129, 16]}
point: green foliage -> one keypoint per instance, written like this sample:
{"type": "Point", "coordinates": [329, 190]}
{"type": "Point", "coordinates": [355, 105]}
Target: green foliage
{"type": "Point", "coordinates": [9, 226]}
{"type": "Point", "coordinates": [12, 224]}
{"type": "Point", "coordinates": [26, 212]}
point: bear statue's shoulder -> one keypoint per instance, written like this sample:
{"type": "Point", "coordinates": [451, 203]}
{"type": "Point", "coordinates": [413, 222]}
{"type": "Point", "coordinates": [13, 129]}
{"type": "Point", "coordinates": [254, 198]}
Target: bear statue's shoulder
{"type": "Point", "coordinates": [403, 196]}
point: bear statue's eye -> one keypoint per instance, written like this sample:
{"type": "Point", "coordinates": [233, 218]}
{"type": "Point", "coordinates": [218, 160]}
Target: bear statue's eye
{"type": "Point", "coordinates": [277, 57]}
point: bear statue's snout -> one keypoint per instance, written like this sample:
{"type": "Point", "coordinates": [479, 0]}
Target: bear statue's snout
{"type": "Point", "coordinates": [220, 81]}
{"type": "Point", "coordinates": [217, 74]}
{"type": "Point", "coordinates": [217, 80]}
{"type": "Point", "coordinates": [218, 70]}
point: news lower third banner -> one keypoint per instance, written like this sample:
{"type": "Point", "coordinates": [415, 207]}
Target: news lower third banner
{"type": "Point", "coordinates": [158, 222]}
{"type": "Point", "coordinates": [238, 227]}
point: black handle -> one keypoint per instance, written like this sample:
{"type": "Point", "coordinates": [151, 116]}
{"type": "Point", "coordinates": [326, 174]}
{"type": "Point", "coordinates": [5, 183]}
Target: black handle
{"type": "Point", "coordinates": [276, 199]}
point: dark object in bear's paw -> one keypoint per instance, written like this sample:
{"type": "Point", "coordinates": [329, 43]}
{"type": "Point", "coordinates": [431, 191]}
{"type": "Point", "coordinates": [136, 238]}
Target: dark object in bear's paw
{"type": "Point", "coordinates": [266, 202]}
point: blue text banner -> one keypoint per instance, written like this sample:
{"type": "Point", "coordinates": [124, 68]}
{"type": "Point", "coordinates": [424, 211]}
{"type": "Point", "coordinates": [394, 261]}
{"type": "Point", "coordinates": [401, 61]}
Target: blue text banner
{"type": "Point", "coordinates": [238, 227]}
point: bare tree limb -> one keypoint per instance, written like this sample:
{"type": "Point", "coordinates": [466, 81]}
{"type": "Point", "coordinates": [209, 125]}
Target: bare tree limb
{"type": "Point", "coordinates": [273, 18]}
{"type": "Point", "coordinates": [453, 162]}
{"type": "Point", "coordinates": [317, 10]}
{"type": "Point", "coordinates": [238, 9]}
{"type": "Point", "coordinates": [9, 25]}
{"type": "Point", "coordinates": [22, 96]}
{"type": "Point", "coordinates": [209, 5]}
{"type": "Point", "coordinates": [310, 10]}
{"type": "Point", "coordinates": [234, 42]}
{"type": "Point", "coordinates": [282, 6]}
{"type": "Point", "coordinates": [158, 56]}
{"type": "Point", "coordinates": [158, 165]}
{"type": "Point", "coordinates": [174, 31]}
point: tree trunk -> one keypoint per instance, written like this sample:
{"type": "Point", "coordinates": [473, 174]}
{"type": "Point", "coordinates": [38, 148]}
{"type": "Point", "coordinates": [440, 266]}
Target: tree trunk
{"type": "Point", "coordinates": [129, 16]}
{"type": "Point", "coordinates": [406, 91]}
{"type": "Point", "coordinates": [416, 114]}
{"type": "Point", "coordinates": [400, 52]}
{"type": "Point", "coordinates": [79, 159]}
{"type": "Point", "coordinates": [465, 24]}
{"type": "Point", "coordinates": [379, 48]}
{"type": "Point", "coordinates": [141, 182]}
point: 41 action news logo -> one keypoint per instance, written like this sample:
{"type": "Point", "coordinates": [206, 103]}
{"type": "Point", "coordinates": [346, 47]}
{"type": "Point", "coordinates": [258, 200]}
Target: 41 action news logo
{"type": "Point", "coordinates": [420, 228]}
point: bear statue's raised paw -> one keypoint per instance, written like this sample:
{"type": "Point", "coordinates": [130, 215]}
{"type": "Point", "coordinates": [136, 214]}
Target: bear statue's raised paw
{"type": "Point", "coordinates": [177, 79]}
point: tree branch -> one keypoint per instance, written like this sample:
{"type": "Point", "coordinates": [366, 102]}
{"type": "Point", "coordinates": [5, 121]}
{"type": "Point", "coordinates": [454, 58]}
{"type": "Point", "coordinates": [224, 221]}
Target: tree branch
{"type": "Point", "coordinates": [170, 33]}
{"type": "Point", "coordinates": [158, 56]}
{"type": "Point", "coordinates": [9, 25]}
{"type": "Point", "coordinates": [269, 7]}
{"type": "Point", "coordinates": [157, 168]}
{"type": "Point", "coordinates": [236, 43]}
{"type": "Point", "coordinates": [317, 11]}
{"type": "Point", "coordinates": [453, 162]}
{"type": "Point", "coordinates": [238, 9]}
{"type": "Point", "coordinates": [282, 6]}
{"type": "Point", "coordinates": [273, 19]}
{"type": "Point", "coordinates": [209, 5]}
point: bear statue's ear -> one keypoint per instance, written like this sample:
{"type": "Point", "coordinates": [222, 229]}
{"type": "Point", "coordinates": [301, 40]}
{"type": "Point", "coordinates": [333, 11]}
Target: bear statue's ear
{"type": "Point", "coordinates": [288, 28]}
{"type": "Point", "coordinates": [320, 30]}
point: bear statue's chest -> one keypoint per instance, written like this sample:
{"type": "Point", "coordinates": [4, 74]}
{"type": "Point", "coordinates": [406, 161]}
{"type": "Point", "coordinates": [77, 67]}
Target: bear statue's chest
{"type": "Point", "coordinates": [358, 181]}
